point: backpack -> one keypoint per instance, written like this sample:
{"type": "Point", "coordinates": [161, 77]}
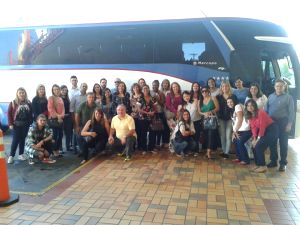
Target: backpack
{"type": "Point", "coordinates": [22, 114]}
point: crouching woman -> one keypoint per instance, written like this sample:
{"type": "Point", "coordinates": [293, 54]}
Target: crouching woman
{"type": "Point", "coordinates": [183, 137]}
{"type": "Point", "coordinates": [39, 141]}
{"type": "Point", "coordinates": [263, 132]}
{"type": "Point", "coordinates": [95, 134]}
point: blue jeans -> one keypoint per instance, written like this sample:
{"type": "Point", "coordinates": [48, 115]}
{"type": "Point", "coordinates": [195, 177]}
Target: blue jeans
{"type": "Point", "coordinates": [183, 147]}
{"type": "Point", "coordinates": [225, 130]}
{"type": "Point", "coordinates": [241, 151]}
{"type": "Point", "coordinates": [283, 137]}
{"type": "Point", "coordinates": [68, 131]}
{"type": "Point", "coordinates": [19, 135]}
{"type": "Point", "coordinates": [263, 143]}
{"type": "Point", "coordinates": [57, 137]}
{"type": "Point", "coordinates": [198, 129]}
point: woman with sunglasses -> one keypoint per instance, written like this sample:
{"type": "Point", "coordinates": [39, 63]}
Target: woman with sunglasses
{"type": "Point", "coordinates": [208, 107]}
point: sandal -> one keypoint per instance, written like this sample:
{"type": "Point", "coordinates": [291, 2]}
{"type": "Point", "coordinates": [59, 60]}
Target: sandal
{"type": "Point", "coordinates": [209, 157]}
{"type": "Point", "coordinates": [236, 160]}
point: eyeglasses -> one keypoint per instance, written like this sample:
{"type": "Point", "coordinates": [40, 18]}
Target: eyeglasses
{"type": "Point", "coordinates": [203, 91]}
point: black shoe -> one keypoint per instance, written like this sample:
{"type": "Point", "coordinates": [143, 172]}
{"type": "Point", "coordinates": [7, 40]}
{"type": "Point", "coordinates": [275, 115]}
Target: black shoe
{"type": "Point", "coordinates": [272, 164]}
{"type": "Point", "coordinates": [225, 156]}
{"type": "Point", "coordinates": [282, 168]}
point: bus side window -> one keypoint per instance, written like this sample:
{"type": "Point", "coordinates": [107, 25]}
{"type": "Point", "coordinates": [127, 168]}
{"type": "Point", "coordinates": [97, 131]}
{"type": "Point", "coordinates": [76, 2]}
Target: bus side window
{"type": "Point", "coordinates": [286, 71]}
{"type": "Point", "coordinates": [269, 77]}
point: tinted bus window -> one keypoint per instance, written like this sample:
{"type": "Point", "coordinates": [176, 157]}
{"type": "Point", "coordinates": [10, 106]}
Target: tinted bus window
{"type": "Point", "coordinates": [185, 43]}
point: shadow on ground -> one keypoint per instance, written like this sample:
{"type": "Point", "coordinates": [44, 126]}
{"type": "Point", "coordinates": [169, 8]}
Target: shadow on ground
{"type": "Point", "coordinates": [38, 178]}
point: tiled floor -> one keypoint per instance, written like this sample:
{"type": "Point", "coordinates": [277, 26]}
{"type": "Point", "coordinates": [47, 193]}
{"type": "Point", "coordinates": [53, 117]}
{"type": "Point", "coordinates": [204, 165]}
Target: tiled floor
{"type": "Point", "coordinates": [164, 189]}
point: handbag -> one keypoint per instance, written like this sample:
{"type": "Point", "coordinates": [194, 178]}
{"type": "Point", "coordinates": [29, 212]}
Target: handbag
{"type": "Point", "coordinates": [179, 137]}
{"type": "Point", "coordinates": [156, 124]}
{"type": "Point", "coordinates": [54, 123]}
{"type": "Point", "coordinates": [169, 115]}
{"type": "Point", "coordinates": [210, 123]}
{"type": "Point", "coordinates": [88, 139]}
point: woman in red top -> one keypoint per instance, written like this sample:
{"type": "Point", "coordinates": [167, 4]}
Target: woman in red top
{"type": "Point", "coordinates": [263, 132]}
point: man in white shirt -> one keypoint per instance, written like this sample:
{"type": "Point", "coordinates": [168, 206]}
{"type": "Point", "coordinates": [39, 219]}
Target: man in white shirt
{"type": "Point", "coordinates": [74, 89]}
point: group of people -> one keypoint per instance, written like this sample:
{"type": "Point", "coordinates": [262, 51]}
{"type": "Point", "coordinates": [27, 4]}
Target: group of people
{"type": "Point", "coordinates": [148, 119]}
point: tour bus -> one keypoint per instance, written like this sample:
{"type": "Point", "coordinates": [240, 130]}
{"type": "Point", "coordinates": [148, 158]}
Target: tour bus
{"type": "Point", "coordinates": [184, 50]}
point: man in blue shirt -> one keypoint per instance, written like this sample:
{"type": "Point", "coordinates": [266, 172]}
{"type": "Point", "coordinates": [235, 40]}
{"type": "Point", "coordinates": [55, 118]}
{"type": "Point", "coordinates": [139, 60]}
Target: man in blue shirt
{"type": "Point", "coordinates": [280, 107]}
{"type": "Point", "coordinates": [240, 92]}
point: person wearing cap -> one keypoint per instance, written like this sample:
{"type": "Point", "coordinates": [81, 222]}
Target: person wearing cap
{"type": "Point", "coordinates": [117, 81]}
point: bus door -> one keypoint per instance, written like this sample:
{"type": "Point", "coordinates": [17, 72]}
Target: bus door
{"type": "Point", "coordinates": [279, 63]}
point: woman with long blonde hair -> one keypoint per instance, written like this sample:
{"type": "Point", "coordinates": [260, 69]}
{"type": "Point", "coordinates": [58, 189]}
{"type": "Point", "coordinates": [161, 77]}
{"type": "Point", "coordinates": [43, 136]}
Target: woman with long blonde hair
{"type": "Point", "coordinates": [224, 115]}
{"type": "Point", "coordinates": [19, 119]}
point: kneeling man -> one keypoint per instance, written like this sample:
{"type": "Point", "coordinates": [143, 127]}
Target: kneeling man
{"type": "Point", "coordinates": [122, 132]}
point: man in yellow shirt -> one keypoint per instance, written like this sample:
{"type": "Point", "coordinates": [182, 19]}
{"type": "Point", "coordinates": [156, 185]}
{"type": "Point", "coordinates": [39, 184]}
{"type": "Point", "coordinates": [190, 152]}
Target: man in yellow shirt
{"type": "Point", "coordinates": [122, 132]}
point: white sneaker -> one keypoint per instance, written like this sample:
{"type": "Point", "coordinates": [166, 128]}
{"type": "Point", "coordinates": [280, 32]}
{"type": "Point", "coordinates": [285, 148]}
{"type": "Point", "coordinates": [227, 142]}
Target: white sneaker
{"type": "Point", "coordinates": [21, 157]}
{"type": "Point", "coordinates": [10, 160]}
{"type": "Point", "coordinates": [30, 161]}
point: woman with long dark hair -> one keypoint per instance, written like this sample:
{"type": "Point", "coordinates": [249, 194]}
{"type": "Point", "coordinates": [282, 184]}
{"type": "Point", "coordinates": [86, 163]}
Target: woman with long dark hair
{"type": "Point", "coordinates": [68, 122]}
{"type": "Point", "coordinates": [211, 83]}
{"type": "Point", "coordinates": [56, 115]}
{"type": "Point", "coordinates": [256, 94]}
{"type": "Point", "coordinates": [182, 138]}
{"type": "Point", "coordinates": [208, 107]}
{"type": "Point", "coordinates": [146, 113]}
{"type": "Point", "coordinates": [192, 107]}
{"type": "Point", "coordinates": [39, 102]}
{"type": "Point", "coordinates": [97, 130]}
{"type": "Point", "coordinates": [136, 102]}
{"type": "Point", "coordinates": [121, 97]}
{"type": "Point", "coordinates": [241, 131]}
{"type": "Point", "coordinates": [97, 92]}
{"type": "Point", "coordinates": [195, 91]}
{"type": "Point", "coordinates": [263, 132]}
{"type": "Point", "coordinates": [107, 104]}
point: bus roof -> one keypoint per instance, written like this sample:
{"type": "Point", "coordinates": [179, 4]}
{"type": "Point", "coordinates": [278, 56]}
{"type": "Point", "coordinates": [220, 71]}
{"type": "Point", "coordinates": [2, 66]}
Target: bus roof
{"type": "Point", "coordinates": [113, 23]}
